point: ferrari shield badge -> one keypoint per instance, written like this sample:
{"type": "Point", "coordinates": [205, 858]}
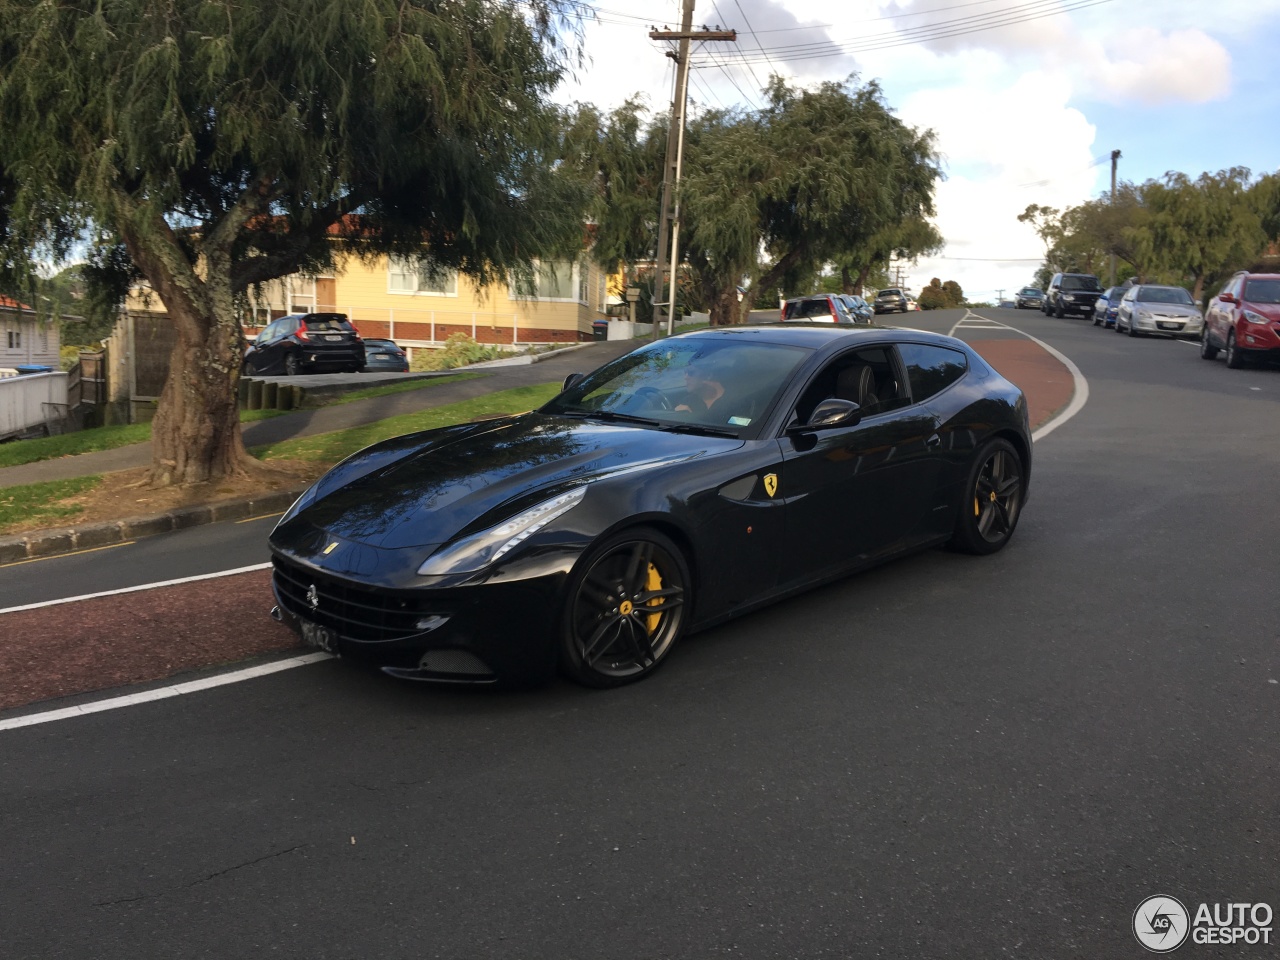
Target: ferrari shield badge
{"type": "Point", "coordinates": [771, 483]}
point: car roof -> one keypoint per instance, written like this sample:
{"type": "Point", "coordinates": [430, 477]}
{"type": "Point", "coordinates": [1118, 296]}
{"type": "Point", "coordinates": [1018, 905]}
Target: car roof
{"type": "Point", "coordinates": [815, 336]}
{"type": "Point", "coordinates": [1259, 276]}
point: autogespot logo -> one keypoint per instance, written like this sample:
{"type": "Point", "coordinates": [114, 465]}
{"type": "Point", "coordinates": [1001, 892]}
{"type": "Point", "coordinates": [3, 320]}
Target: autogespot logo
{"type": "Point", "coordinates": [1161, 924]}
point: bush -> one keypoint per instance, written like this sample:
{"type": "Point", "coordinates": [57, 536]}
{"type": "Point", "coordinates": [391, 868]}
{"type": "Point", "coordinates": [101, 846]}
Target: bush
{"type": "Point", "coordinates": [459, 350]}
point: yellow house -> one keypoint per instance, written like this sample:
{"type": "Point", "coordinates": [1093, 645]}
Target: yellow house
{"type": "Point", "coordinates": [415, 304]}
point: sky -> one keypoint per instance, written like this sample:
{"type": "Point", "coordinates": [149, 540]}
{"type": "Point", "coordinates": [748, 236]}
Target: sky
{"type": "Point", "coordinates": [1027, 97]}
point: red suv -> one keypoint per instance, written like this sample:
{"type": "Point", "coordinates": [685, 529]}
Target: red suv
{"type": "Point", "coordinates": [1244, 320]}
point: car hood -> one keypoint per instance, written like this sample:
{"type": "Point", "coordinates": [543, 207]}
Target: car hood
{"type": "Point", "coordinates": [438, 489]}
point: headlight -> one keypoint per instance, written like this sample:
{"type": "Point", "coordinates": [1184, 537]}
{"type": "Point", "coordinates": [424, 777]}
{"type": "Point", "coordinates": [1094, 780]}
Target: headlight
{"type": "Point", "coordinates": [1255, 317]}
{"type": "Point", "coordinates": [1144, 314]}
{"type": "Point", "coordinates": [479, 550]}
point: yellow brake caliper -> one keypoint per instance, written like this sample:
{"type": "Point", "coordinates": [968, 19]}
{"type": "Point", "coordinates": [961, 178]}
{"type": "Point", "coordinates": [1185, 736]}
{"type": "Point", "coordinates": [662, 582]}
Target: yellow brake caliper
{"type": "Point", "coordinates": [654, 583]}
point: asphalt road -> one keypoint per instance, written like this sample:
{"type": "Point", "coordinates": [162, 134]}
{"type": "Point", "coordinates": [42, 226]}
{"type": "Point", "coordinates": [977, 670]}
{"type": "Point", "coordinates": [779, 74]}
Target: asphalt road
{"type": "Point", "coordinates": [945, 757]}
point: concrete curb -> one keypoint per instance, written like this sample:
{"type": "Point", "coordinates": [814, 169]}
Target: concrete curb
{"type": "Point", "coordinates": [39, 544]}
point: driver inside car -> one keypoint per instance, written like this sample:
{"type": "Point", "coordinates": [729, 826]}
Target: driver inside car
{"type": "Point", "coordinates": [703, 387]}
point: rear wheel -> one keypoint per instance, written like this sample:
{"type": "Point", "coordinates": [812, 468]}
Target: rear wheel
{"type": "Point", "coordinates": [626, 606]}
{"type": "Point", "coordinates": [1207, 350]}
{"type": "Point", "coordinates": [1235, 356]}
{"type": "Point", "coordinates": [291, 365]}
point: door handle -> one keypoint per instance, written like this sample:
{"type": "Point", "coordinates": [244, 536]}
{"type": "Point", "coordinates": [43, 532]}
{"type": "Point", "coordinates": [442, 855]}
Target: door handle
{"type": "Point", "coordinates": [933, 442]}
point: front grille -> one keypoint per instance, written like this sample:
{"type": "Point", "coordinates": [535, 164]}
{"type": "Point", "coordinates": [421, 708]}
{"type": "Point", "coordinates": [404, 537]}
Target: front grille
{"type": "Point", "coordinates": [352, 610]}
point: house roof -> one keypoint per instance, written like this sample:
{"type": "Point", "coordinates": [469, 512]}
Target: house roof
{"type": "Point", "coordinates": [11, 304]}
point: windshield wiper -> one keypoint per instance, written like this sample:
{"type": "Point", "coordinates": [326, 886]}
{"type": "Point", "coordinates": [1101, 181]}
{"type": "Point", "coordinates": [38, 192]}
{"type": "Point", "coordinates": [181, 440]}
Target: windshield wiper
{"type": "Point", "coordinates": [701, 429]}
{"type": "Point", "coordinates": [609, 416]}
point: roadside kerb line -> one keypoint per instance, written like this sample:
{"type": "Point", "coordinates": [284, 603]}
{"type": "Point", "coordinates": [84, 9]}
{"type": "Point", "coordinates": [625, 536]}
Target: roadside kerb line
{"type": "Point", "coordinates": [163, 693]}
{"type": "Point", "coordinates": [73, 553]}
{"type": "Point", "coordinates": [1079, 396]}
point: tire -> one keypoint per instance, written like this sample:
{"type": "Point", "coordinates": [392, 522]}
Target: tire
{"type": "Point", "coordinates": [1059, 312]}
{"type": "Point", "coordinates": [605, 641]}
{"type": "Point", "coordinates": [1097, 319]}
{"type": "Point", "coordinates": [1132, 330]}
{"type": "Point", "coordinates": [1207, 350]}
{"type": "Point", "coordinates": [1235, 356]}
{"type": "Point", "coordinates": [994, 488]}
{"type": "Point", "coordinates": [291, 365]}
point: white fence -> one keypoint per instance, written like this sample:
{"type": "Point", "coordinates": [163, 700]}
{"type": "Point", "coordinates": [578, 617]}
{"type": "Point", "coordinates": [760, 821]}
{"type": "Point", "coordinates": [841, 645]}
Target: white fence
{"type": "Point", "coordinates": [32, 401]}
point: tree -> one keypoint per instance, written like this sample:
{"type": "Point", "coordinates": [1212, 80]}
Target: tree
{"type": "Point", "coordinates": [941, 296]}
{"type": "Point", "coordinates": [210, 146]}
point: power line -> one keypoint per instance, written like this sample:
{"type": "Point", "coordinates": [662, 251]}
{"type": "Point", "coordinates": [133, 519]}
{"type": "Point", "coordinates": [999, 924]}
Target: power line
{"type": "Point", "coordinates": [1023, 13]}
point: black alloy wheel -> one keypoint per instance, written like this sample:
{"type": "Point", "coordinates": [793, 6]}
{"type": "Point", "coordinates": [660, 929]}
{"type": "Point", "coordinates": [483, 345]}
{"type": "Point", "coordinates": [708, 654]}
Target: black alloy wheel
{"type": "Point", "coordinates": [291, 365]}
{"type": "Point", "coordinates": [993, 502]}
{"type": "Point", "coordinates": [1207, 350]}
{"type": "Point", "coordinates": [1235, 356]}
{"type": "Point", "coordinates": [627, 605]}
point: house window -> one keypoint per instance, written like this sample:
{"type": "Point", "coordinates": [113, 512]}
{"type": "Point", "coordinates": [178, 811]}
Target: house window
{"type": "Point", "coordinates": [421, 275]}
{"type": "Point", "coordinates": [15, 339]}
{"type": "Point", "coordinates": [554, 280]}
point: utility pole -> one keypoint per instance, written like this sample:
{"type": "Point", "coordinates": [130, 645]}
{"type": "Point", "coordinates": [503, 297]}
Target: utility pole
{"type": "Point", "coordinates": [1115, 155]}
{"type": "Point", "coordinates": [670, 219]}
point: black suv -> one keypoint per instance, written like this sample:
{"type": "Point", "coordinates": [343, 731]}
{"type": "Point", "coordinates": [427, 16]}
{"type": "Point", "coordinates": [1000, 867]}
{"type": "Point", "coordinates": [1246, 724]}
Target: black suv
{"type": "Point", "coordinates": [892, 300]}
{"type": "Point", "coordinates": [1071, 293]}
{"type": "Point", "coordinates": [306, 342]}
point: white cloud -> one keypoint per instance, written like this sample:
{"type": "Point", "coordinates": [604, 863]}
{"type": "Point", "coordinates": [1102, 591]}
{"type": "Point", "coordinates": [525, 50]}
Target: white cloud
{"type": "Point", "coordinates": [1152, 69]}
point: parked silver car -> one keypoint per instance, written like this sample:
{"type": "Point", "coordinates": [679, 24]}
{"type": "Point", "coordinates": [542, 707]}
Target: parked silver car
{"type": "Point", "coordinates": [1154, 308]}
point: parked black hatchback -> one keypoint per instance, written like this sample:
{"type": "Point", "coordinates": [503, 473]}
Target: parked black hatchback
{"type": "Point", "coordinates": [1072, 293]}
{"type": "Point", "coordinates": [306, 343]}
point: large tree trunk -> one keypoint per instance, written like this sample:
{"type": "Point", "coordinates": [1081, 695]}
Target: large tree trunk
{"type": "Point", "coordinates": [195, 436]}
{"type": "Point", "coordinates": [726, 308]}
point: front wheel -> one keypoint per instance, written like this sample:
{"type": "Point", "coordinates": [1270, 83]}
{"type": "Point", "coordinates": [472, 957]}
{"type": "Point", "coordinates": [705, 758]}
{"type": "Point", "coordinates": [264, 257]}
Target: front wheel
{"type": "Point", "coordinates": [1132, 329]}
{"type": "Point", "coordinates": [1059, 312]}
{"type": "Point", "coordinates": [1235, 356]}
{"type": "Point", "coordinates": [626, 606]}
{"type": "Point", "coordinates": [993, 500]}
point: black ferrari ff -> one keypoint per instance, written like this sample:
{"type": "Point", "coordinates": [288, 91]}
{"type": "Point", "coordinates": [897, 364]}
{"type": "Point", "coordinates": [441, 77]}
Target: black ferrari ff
{"type": "Point", "coordinates": [692, 480]}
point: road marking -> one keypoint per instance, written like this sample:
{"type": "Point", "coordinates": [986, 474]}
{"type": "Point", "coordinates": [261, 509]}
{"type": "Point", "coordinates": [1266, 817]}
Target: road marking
{"type": "Point", "coordinates": [1079, 397]}
{"type": "Point", "coordinates": [73, 553]}
{"type": "Point", "coordinates": [264, 516]}
{"type": "Point", "coordinates": [163, 693]}
{"type": "Point", "coordinates": [145, 586]}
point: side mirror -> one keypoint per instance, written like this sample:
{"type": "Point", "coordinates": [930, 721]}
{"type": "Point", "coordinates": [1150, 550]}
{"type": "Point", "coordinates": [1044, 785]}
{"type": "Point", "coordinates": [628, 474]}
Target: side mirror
{"type": "Point", "coordinates": [570, 380]}
{"type": "Point", "coordinates": [830, 413]}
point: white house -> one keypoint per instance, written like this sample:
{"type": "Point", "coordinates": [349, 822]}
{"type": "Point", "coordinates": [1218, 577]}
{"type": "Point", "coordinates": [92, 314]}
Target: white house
{"type": "Point", "coordinates": [26, 339]}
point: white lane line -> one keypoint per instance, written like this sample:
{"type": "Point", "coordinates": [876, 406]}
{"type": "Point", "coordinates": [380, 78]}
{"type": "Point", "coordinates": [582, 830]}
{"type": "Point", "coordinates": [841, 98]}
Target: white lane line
{"type": "Point", "coordinates": [162, 693]}
{"type": "Point", "coordinates": [1079, 397]}
{"type": "Point", "coordinates": [145, 586]}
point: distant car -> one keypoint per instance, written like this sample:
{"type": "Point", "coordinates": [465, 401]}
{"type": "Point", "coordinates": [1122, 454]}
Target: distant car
{"type": "Point", "coordinates": [912, 304]}
{"type": "Point", "coordinates": [819, 308]}
{"type": "Point", "coordinates": [1244, 320]}
{"type": "Point", "coordinates": [1106, 306]}
{"type": "Point", "coordinates": [1071, 293]}
{"type": "Point", "coordinates": [891, 300]}
{"type": "Point", "coordinates": [859, 308]}
{"type": "Point", "coordinates": [306, 343]}
{"type": "Point", "coordinates": [1156, 308]}
{"type": "Point", "coordinates": [1029, 298]}
{"type": "Point", "coordinates": [385, 355]}
{"type": "Point", "coordinates": [594, 532]}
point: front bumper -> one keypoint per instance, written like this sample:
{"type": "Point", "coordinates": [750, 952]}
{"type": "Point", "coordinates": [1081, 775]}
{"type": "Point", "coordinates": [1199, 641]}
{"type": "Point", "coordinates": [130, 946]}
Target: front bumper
{"type": "Point", "coordinates": [483, 634]}
{"type": "Point", "coordinates": [1171, 326]}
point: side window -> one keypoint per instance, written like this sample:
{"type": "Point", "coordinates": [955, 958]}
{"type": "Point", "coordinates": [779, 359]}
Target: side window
{"type": "Point", "coordinates": [930, 369]}
{"type": "Point", "coordinates": [868, 377]}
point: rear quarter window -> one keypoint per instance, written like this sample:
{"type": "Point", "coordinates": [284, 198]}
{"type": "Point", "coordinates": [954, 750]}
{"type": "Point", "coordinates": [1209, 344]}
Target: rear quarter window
{"type": "Point", "coordinates": [931, 369]}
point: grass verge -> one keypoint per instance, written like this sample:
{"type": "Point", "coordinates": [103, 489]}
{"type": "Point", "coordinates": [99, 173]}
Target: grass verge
{"type": "Point", "coordinates": [43, 500]}
{"type": "Point", "coordinates": [332, 447]}
{"type": "Point", "coordinates": [390, 388]}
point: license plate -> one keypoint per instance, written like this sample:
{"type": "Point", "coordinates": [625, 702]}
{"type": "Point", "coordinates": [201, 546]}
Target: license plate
{"type": "Point", "coordinates": [382, 356]}
{"type": "Point", "coordinates": [335, 338]}
{"type": "Point", "coordinates": [1166, 325]}
{"type": "Point", "coordinates": [314, 635]}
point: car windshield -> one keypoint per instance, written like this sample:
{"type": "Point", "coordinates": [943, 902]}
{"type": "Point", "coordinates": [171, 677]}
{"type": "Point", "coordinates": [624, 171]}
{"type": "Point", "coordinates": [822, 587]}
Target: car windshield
{"type": "Point", "coordinates": [1262, 291]}
{"type": "Point", "coordinates": [1164, 295]}
{"type": "Point", "coordinates": [1081, 283]}
{"type": "Point", "coordinates": [715, 383]}
{"type": "Point", "coordinates": [1030, 291]}
{"type": "Point", "coordinates": [820, 307]}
